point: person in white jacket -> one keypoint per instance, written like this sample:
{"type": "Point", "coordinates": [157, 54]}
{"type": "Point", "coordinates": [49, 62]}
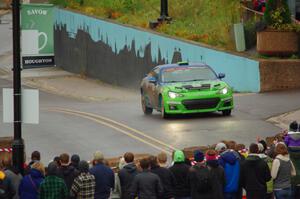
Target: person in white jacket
{"type": "Point", "coordinates": [282, 171]}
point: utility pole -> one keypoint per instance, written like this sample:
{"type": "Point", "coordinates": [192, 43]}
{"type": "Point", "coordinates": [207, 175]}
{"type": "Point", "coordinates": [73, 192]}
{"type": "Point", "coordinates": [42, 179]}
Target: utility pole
{"type": "Point", "coordinates": [18, 144]}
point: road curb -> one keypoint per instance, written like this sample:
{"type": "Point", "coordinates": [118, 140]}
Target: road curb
{"type": "Point", "coordinates": [285, 119]}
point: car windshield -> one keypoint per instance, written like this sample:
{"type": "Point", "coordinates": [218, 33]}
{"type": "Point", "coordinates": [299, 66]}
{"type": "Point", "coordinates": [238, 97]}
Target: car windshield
{"type": "Point", "coordinates": [185, 74]}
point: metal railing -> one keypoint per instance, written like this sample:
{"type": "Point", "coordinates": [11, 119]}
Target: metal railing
{"type": "Point", "coordinates": [258, 15]}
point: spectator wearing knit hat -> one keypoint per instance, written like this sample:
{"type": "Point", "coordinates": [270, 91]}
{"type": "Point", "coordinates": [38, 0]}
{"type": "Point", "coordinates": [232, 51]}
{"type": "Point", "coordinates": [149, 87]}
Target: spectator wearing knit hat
{"type": "Point", "coordinates": [200, 178]}
{"type": "Point", "coordinates": [230, 161]}
{"type": "Point", "coordinates": [255, 174]}
{"type": "Point", "coordinates": [180, 170]}
{"type": "Point", "coordinates": [84, 184]}
{"type": "Point", "coordinates": [105, 179]}
{"type": "Point", "coordinates": [75, 159]}
{"type": "Point", "coordinates": [217, 173]}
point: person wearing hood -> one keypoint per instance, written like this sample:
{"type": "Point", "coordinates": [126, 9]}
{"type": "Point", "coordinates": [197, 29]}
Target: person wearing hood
{"type": "Point", "coordinates": [127, 174]}
{"type": "Point", "coordinates": [282, 171]}
{"type": "Point", "coordinates": [255, 174]}
{"type": "Point", "coordinates": [30, 184]}
{"type": "Point", "coordinates": [230, 161]}
{"type": "Point", "coordinates": [166, 176]}
{"type": "Point", "coordinates": [84, 184]}
{"type": "Point", "coordinates": [53, 187]}
{"type": "Point", "coordinates": [180, 170]}
{"type": "Point", "coordinates": [66, 171]}
{"type": "Point", "coordinates": [7, 190]}
{"type": "Point", "coordinates": [217, 173]}
{"type": "Point", "coordinates": [12, 175]}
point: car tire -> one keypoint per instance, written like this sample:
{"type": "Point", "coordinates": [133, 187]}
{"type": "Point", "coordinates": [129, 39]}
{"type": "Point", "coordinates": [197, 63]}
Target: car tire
{"type": "Point", "coordinates": [226, 112]}
{"type": "Point", "coordinates": [146, 110]}
{"type": "Point", "coordinates": [162, 109]}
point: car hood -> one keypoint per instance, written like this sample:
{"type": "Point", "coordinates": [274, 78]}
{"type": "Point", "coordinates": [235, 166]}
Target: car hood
{"type": "Point", "coordinates": [207, 85]}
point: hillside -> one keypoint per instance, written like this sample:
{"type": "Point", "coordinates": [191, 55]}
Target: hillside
{"type": "Point", "coordinates": [203, 21]}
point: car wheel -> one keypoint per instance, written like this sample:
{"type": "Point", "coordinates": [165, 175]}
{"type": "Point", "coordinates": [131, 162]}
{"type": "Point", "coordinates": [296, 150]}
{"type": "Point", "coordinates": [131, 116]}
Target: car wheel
{"type": "Point", "coordinates": [162, 109]}
{"type": "Point", "coordinates": [146, 110]}
{"type": "Point", "coordinates": [227, 112]}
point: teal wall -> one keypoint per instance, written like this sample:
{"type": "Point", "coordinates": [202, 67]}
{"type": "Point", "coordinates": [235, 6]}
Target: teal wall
{"type": "Point", "coordinates": [241, 73]}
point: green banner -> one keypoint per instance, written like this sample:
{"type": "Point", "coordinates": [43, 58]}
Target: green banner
{"type": "Point", "coordinates": [37, 22]}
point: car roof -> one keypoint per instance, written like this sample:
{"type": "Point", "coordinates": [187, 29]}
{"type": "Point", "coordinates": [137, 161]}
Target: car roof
{"type": "Point", "coordinates": [181, 64]}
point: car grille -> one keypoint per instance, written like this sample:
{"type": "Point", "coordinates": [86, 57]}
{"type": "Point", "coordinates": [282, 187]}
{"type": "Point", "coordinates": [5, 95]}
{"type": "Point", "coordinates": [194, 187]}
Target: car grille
{"type": "Point", "coordinates": [201, 103]}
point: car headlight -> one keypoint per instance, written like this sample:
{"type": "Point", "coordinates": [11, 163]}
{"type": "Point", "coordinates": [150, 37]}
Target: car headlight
{"type": "Point", "coordinates": [173, 95]}
{"type": "Point", "coordinates": [223, 91]}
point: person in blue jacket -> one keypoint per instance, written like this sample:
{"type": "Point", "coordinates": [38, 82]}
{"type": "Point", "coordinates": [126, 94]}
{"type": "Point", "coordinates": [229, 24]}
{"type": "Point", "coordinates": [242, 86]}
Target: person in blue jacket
{"type": "Point", "coordinates": [30, 184]}
{"type": "Point", "coordinates": [230, 161]}
{"type": "Point", "coordinates": [105, 177]}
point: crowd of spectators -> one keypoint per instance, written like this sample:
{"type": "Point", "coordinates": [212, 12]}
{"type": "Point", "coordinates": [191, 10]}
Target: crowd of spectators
{"type": "Point", "coordinates": [226, 171]}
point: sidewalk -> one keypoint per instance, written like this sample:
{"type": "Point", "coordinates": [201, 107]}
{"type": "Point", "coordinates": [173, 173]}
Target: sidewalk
{"type": "Point", "coordinates": [285, 119]}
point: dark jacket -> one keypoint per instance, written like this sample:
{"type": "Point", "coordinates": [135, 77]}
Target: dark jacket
{"type": "Point", "coordinates": [180, 171]}
{"type": "Point", "coordinates": [6, 188]}
{"type": "Point", "coordinates": [126, 176]}
{"type": "Point", "coordinates": [167, 179]}
{"type": "Point", "coordinates": [295, 158]}
{"type": "Point", "coordinates": [68, 173]}
{"type": "Point", "coordinates": [105, 180]}
{"type": "Point", "coordinates": [146, 185]}
{"type": "Point", "coordinates": [201, 188]}
{"type": "Point", "coordinates": [30, 184]}
{"type": "Point", "coordinates": [230, 161]}
{"type": "Point", "coordinates": [218, 176]}
{"type": "Point", "coordinates": [255, 173]}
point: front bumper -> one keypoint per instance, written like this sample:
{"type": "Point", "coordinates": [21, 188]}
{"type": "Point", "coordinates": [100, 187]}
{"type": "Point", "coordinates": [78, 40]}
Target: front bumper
{"type": "Point", "coordinates": [198, 105]}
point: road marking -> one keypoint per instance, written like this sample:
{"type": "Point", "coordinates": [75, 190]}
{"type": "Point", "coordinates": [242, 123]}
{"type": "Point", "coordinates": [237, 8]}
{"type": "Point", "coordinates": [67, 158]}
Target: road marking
{"type": "Point", "coordinates": [116, 126]}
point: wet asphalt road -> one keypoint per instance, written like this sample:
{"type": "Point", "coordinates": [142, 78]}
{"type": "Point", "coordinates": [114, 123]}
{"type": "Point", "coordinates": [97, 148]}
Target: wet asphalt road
{"type": "Point", "coordinates": [60, 132]}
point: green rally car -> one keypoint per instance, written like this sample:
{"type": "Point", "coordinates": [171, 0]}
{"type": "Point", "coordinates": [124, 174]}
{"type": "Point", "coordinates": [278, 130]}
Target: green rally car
{"type": "Point", "coordinates": [184, 88]}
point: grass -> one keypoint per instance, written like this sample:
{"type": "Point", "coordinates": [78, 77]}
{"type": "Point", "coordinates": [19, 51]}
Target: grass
{"type": "Point", "coordinates": [205, 21]}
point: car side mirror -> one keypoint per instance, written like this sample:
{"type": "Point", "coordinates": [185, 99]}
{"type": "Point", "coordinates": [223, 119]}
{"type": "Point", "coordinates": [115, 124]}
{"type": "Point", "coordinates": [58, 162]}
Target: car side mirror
{"type": "Point", "coordinates": [221, 75]}
{"type": "Point", "coordinates": [152, 80]}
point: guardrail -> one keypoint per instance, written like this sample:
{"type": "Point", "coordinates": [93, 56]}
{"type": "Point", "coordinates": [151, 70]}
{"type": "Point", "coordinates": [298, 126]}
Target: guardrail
{"type": "Point", "coordinates": [261, 14]}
